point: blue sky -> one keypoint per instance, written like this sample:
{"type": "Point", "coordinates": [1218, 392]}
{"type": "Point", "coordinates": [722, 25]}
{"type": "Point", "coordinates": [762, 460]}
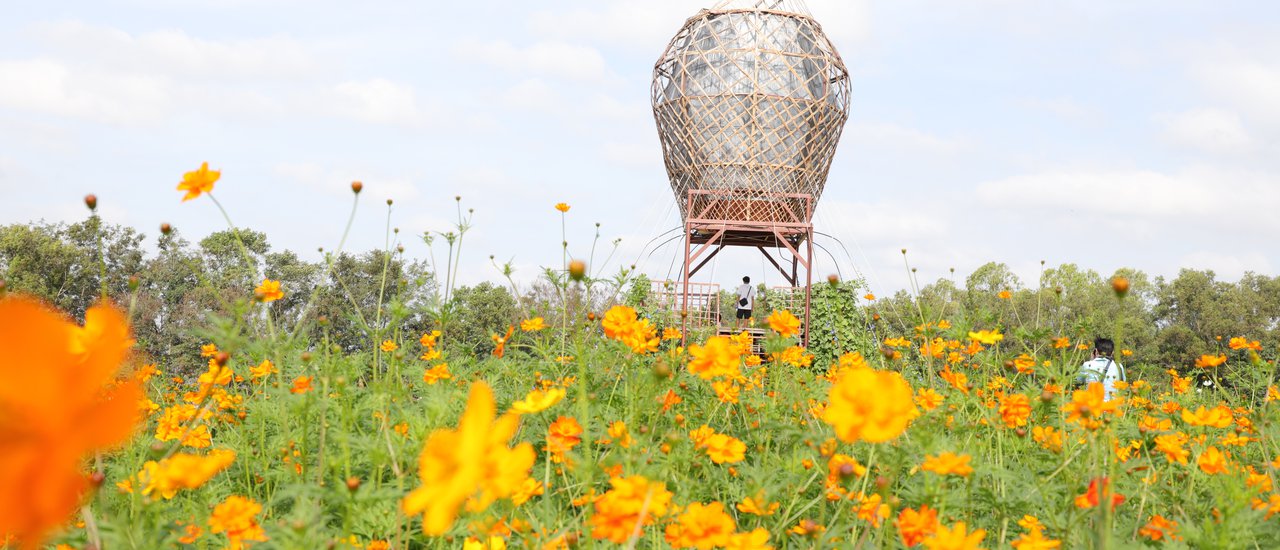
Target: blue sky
{"type": "Point", "coordinates": [1141, 133]}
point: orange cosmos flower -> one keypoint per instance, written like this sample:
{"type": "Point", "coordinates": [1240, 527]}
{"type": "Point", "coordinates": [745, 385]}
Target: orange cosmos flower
{"type": "Point", "coordinates": [1171, 446]}
{"type": "Point", "coordinates": [1158, 528]}
{"type": "Point", "coordinates": [262, 370]}
{"type": "Point", "coordinates": [1004, 295]}
{"type": "Point", "coordinates": [1243, 343]}
{"type": "Point", "coordinates": [987, 337]}
{"type": "Point", "coordinates": [471, 464]}
{"type": "Point", "coordinates": [1048, 438]}
{"type": "Point", "coordinates": [1063, 342]}
{"type": "Point", "coordinates": [1212, 461]}
{"type": "Point", "coordinates": [1015, 409]}
{"type": "Point", "coordinates": [1034, 539]}
{"type": "Point", "coordinates": [61, 402]}
{"type": "Point", "coordinates": [670, 399]}
{"type": "Point", "coordinates": [914, 525]}
{"type": "Point", "coordinates": [268, 291]}
{"type": "Point", "coordinates": [719, 357]}
{"type": "Point", "coordinates": [562, 207]}
{"type": "Point", "coordinates": [619, 434]}
{"type": "Point", "coordinates": [1210, 361]}
{"type": "Point", "coordinates": [756, 506]}
{"type": "Point", "coordinates": [701, 526]}
{"type": "Point", "coordinates": [388, 346]}
{"type": "Point", "coordinates": [956, 537]}
{"type": "Point", "coordinates": [928, 399]}
{"type": "Point", "coordinates": [301, 384]}
{"type": "Point", "coordinates": [871, 508]}
{"type": "Point", "coordinates": [1099, 491]}
{"type": "Point", "coordinates": [1088, 406]}
{"type": "Point", "coordinates": [724, 448]}
{"type": "Point", "coordinates": [237, 518]}
{"type": "Point", "coordinates": [198, 182]}
{"type": "Point", "coordinates": [500, 342]}
{"type": "Point", "coordinates": [869, 405]}
{"type": "Point", "coordinates": [756, 539]}
{"type": "Point", "coordinates": [948, 463]}
{"type": "Point", "coordinates": [429, 339]}
{"type": "Point", "coordinates": [784, 323]}
{"type": "Point", "coordinates": [633, 502]}
{"type": "Point", "coordinates": [436, 374]}
{"type": "Point", "coordinates": [182, 471]}
{"type": "Point", "coordinates": [1217, 417]}
{"type": "Point", "coordinates": [538, 400]}
{"type": "Point", "coordinates": [562, 436]}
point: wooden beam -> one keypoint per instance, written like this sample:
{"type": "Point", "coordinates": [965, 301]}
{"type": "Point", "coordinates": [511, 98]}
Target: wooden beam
{"type": "Point", "coordinates": [707, 259]}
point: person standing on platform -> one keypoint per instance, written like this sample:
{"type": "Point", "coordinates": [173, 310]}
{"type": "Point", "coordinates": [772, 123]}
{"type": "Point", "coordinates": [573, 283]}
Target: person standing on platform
{"type": "Point", "coordinates": [746, 301]}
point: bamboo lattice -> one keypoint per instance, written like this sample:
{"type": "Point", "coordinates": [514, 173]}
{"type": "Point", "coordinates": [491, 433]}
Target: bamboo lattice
{"type": "Point", "coordinates": [750, 98]}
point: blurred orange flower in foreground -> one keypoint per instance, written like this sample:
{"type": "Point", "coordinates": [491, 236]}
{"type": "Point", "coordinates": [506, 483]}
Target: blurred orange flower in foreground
{"type": "Point", "coordinates": [869, 405]}
{"type": "Point", "coordinates": [62, 402]}
{"type": "Point", "coordinates": [198, 182]}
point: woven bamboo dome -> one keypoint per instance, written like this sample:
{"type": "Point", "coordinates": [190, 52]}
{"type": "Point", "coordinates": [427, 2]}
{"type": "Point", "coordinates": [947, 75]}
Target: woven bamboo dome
{"type": "Point", "coordinates": [750, 98]}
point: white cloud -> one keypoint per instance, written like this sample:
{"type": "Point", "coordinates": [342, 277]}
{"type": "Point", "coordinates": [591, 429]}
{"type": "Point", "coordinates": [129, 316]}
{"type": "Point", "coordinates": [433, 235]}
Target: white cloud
{"type": "Point", "coordinates": [378, 101]}
{"type": "Point", "coordinates": [1065, 108]}
{"type": "Point", "coordinates": [1211, 130]}
{"type": "Point", "coordinates": [47, 86]}
{"type": "Point", "coordinates": [1249, 80]}
{"type": "Point", "coordinates": [547, 59]}
{"type": "Point", "coordinates": [533, 95]}
{"type": "Point", "coordinates": [633, 155]}
{"type": "Point", "coordinates": [895, 136]}
{"type": "Point", "coordinates": [1141, 200]}
{"type": "Point", "coordinates": [646, 26]}
{"type": "Point", "coordinates": [174, 52]}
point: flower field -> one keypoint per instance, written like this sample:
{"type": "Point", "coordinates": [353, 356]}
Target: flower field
{"type": "Point", "coordinates": [596, 427]}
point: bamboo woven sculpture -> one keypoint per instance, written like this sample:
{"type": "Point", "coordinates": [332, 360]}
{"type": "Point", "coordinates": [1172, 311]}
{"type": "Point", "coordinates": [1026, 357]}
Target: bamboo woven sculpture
{"type": "Point", "coordinates": [750, 98]}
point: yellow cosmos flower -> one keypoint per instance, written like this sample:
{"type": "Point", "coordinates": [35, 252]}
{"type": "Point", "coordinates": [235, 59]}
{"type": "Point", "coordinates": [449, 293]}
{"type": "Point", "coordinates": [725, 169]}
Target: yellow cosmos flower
{"type": "Point", "coordinates": [701, 526]}
{"type": "Point", "coordinates": [1217, 417]}
{"type": "Point", "coordinates": [471, 463]}
{"type": "Point", "coordinates": [237, 518]}
{"type": "Point", "coordinates": [388, 346]}
{"type": "Point", "coordinates": [538, 400]}
{"type": "Point", "coordinates": [198, 182]}
{"type": "Point", "coordinates": [956, 537]}
{"type": "Point", "coordinates": [268, 291]}
{"type": "Point", "coordinates": [724, 449]}
{"type": "Point", "coordinates": [784, 323]}
{"type": "Point", "coordinates": [533, 325]}
{"type": "Point", "coordinates": [987, 337]}
{"type": "Point", "coordinates": [436, 374]}
{"type": "Point", "coordinates": [719, 357]}
{"type": "Point", "coordinates": [869, 405]}
{"type": "Point", "coordinates": [1210, 361]}
{"type": "Point", "coordinates": [262, 370]}
{"type": "Point", "coordinates": [948, 463]}
{"type": "Point", "coordinates": [562, 207]}
{"type": "Point", "coordinates": [633, 503]}
{"type": "Point", "coordinates": [1212, 461]}
{"type": "Point", "coordinates": [182, 471]}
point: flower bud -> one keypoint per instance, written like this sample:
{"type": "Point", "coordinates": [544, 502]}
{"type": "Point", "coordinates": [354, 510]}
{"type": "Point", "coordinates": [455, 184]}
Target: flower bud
{"type": "Point", "coordinates": [133, 283]}
{"type": "Point", "coordinates": [96, 479]}
{"type": "Point", "coordinates": [222, 358]}
{"type": "Point", "coordinates": [91, 201]}
{"type": "Point", "coordinates": [577, 270]}
{"type": "Point", "coordinates": [1120, 285]}
{"type": "Point", "coordinates": [306, 356]}
{"type": "Point", "coordinates": [353, 483]}
{"type": "Point", "coordinates": [833, 279]}
{"type": "Point", "coordinates": [166, 229]}
{"type": "Point", "coordinates": [356, 187]}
